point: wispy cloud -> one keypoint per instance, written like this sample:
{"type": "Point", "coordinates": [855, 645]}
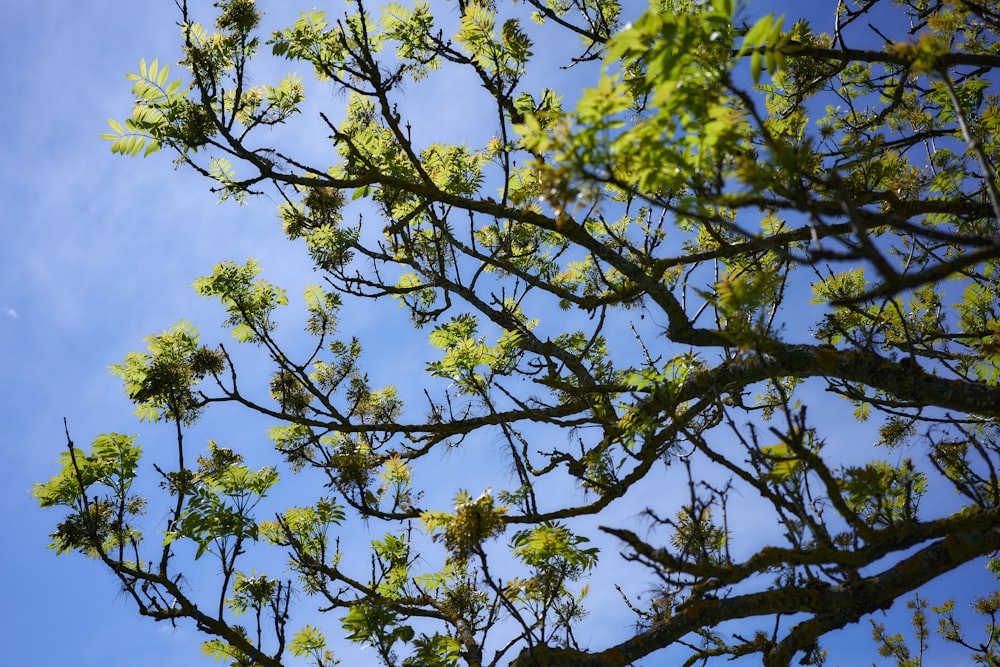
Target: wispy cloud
{"type": "Point", "coordinates": [8, 311]}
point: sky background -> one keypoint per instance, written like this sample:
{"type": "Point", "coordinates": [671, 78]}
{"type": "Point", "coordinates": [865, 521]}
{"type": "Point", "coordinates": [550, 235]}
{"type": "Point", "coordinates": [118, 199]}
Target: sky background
{"type": "Point", "coordinates": [96, 252]}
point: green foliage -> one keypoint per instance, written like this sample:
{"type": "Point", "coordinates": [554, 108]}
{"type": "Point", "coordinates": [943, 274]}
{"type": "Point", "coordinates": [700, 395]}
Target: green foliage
{"type": "Point", "coordinates": [376, 626]}
{"type": "Point", "coordinates": [632, 292]}
{"type": "Point", "coordinates": [697, 536]}
{"type": "Point", "coordinates": [883, 495]}
{"type": "Point", "coordinates": [984, 652]}
{"type": "Point", "coordinates": [96, 488]}
{"type": "Point", "coordinates": [156, 103]}
{"type": "Point", "coordinates": [468, 361]}
{"type": "Point", "coordinates": [309, 641]}
{"type": "Point", "coordinates": [248, 302]}
{"type": "Point", "coordinates": [434, 651]}
{"type": "Point", "coordinates": [472, 523]}
{"type": "Point", "coordinates": [162, 380]}
{"type": "Point", "coordinates": [220, 650]}
{"type": "Point", "coordinates": [502, 56]}
{"type": "Point", "coordinates": [556, 559]}
{"type": "Point", "coordinates": [222, 494]}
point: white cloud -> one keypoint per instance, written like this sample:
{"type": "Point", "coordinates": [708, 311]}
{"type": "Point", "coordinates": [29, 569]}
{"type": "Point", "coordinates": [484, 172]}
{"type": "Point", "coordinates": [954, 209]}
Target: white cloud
{"type": "Point", "coordinates": [8, 311]}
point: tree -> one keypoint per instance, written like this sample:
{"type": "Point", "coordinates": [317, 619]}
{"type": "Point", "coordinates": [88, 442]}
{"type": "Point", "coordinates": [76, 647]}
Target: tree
{"type": "Point", "coordinates": [643, 290]}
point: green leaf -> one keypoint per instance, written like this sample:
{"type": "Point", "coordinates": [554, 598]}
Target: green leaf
{"type": "Point", "coordinates": [756, 62]}
{"type": "Point", "coordinates": [307, 641]}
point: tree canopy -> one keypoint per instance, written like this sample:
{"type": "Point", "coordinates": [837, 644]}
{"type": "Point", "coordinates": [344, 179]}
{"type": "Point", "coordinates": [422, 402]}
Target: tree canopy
{"type": "Point", "coordinates": [675, 239]}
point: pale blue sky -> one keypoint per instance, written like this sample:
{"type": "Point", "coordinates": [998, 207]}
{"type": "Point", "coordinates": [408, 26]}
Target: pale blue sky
{"type": "Point", "coordinates": [96, 252]}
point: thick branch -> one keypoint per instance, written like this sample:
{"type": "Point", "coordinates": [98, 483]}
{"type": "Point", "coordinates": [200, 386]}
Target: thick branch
{"type": "Point", "coordinates": [831, 607]}
{"type": "Point", "coordinates": [953, 59]}
{"type": "Point", "coordinates": [903, 380]}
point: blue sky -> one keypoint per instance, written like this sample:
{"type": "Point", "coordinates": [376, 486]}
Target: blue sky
{"type": "Point", "coordinates": [98, 251]}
